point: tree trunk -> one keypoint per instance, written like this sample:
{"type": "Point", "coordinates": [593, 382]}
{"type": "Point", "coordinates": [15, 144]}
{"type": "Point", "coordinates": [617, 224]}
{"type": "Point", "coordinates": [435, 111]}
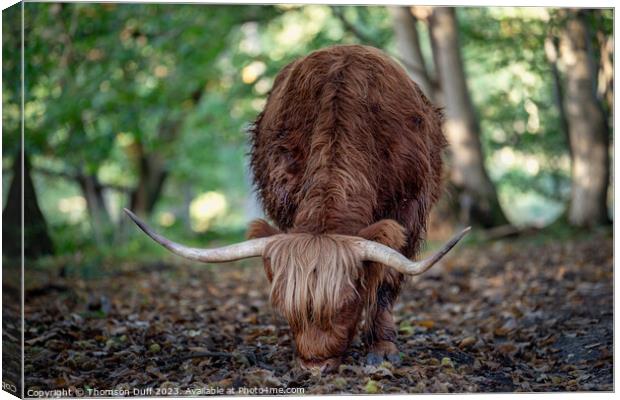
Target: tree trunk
{"type": "Point", "coordinates": [37, 241]}
{"type": "Point", "coordinates": [604, 43]}
{"type": "Point", "coordinates": [552, 53]}
{"type": "Point", "coordinates": [152, 166]}
{"type": "Point", "coordinates": [588, 130]}
{"type": "Point", "coordinates": [477, 198]}
{"type": "Point", "coordinates": [97, 210]}
{"type": "Point", "coordinates": [408, 43]}
{"type": "Point", "coordinates": [606, 72]}
{"type": "Point", "coordinates": [150, 185]}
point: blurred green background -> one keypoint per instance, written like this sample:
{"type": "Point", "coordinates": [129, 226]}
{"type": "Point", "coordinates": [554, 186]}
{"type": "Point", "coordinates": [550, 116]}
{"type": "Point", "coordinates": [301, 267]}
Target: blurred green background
{"type": "Point", "coordinates": [148, 106]}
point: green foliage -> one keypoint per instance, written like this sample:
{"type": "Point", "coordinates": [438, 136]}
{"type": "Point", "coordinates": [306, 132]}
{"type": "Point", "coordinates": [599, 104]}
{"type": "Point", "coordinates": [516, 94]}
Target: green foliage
{"type": "Point", "coordinates": [512, 86]}
{"type": "Point", "coordinates": [110, 83]}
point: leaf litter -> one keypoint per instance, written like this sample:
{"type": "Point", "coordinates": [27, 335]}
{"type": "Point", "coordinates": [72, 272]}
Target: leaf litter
{"type": "Point", "coordinates": [500, 317]}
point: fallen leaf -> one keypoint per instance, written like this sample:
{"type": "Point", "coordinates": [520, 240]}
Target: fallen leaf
{"type": "Point", "coordinates": [371, 387]}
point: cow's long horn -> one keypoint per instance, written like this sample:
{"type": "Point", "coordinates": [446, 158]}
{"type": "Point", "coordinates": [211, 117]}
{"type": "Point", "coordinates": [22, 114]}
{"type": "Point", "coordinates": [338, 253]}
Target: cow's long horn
{"type": "Point", "coordinates": [373, 251]}
{"type": "Point", "coordinates": [247, 249]}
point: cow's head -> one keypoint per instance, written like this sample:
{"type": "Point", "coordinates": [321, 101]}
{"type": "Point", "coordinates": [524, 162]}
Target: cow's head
{"type": "Point", "coordinates": [318, 282]}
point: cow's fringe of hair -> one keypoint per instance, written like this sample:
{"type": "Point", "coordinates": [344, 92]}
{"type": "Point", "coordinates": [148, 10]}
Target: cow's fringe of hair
{"type": "Point", "coordinates": [312, 276]}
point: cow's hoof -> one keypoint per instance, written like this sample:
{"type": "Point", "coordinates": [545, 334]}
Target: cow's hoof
{"type": "Point", "coordinates": [381, 351]}
{"type": "Point", "coordinates": [374, 358]}
{"type": "Point", "coordinates": [394, 358]}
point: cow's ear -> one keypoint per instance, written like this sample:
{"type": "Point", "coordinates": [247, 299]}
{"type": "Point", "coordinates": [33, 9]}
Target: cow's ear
{"type": "Point", "coordinates": [259, 228]}
{"type": "Point", "coordinates": [387, 232]}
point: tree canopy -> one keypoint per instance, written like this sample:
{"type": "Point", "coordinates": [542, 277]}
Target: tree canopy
{"type": "Point", "coordinates": [148, 106]}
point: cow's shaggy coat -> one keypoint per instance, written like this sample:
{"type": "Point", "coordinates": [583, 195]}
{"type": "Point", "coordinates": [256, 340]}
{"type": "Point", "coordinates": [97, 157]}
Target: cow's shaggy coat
{"type": "Point", "coordinates": [347, 144]}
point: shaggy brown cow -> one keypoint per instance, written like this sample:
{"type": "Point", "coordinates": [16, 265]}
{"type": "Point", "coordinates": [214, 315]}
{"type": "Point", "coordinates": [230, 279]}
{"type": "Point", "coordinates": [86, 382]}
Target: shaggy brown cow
{"type": "Point", "coordinates": [347, 162]}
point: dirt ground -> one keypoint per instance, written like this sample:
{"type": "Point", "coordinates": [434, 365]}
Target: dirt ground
{"type": "Point", "coordinates": [506, 316]}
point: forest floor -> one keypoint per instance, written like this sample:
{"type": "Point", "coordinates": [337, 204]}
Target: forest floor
{"type": "Point", "coordinates": [530, 314]}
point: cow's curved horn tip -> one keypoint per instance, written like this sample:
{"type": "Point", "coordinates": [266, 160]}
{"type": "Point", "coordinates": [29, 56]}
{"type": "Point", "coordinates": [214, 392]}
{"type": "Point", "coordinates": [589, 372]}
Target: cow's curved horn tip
{"type": "Point", "coordinates": [130, 213]}
{"type": "Point", "coordinates": [464, 232]}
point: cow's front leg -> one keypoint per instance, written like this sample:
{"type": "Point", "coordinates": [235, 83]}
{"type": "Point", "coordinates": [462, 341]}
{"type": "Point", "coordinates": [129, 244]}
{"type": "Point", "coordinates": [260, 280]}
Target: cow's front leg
{"type": "Point", "coordinates": [383, 285]}
{"type": "Point", "coordinates": [380, 331]}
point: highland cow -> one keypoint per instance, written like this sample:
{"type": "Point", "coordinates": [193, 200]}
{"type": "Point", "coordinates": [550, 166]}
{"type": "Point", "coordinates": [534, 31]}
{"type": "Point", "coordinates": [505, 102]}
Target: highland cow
{"type": "Point", "coordinates": [346, 158]}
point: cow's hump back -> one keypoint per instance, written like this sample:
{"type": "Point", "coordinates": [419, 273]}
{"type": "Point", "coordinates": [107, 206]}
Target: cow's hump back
{"type": "Point", "coordinates": [346, 139]}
